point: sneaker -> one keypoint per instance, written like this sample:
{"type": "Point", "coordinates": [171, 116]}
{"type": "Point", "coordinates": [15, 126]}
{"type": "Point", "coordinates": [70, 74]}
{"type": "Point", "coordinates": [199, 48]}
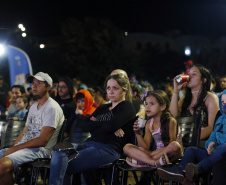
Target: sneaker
{"type": "Point", "coordinates": [173, 173]}
{"type": "Point", "coordinates": [193, 172]}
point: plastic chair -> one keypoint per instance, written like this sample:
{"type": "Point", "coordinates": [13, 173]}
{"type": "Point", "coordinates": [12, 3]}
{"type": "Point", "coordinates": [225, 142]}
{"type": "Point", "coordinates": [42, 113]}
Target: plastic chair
{"type": "Point", "coordinates": [149, 173]}
{"type": "Point", "coordinates": [76, 136]}
{"type": "Point", "coordinates": [191, 130]}
{"type": "Point", "coordinates": [35, 166]}
{"type": "Point", "coordinates": [11, 131]}
{"type": "Point", "coordinates": [89, 173]}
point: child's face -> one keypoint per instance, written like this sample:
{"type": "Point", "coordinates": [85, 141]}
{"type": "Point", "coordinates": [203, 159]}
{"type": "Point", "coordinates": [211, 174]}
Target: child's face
{"type": "Point", "coordinates": [223, 101]}
{"type": "Point", "coordinates": [31, 102]}
{"type": "Point", "coordinates": [20, 105]}
{"type": "Point", "coordinates": [152, 107]}
{"type": "Point", "coordinates": [81, 104]}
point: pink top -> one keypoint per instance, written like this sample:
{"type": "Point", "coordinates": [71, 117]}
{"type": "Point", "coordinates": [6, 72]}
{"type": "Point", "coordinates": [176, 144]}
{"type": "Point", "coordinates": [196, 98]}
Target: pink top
{"type": "Point", "coordinates": [156, 134]}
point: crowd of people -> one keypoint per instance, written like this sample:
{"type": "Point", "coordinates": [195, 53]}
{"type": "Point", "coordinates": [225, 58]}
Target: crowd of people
{"type": "Point", "coordinates": [110, 116]}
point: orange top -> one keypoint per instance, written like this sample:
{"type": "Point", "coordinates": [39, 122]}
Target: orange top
{"type": "Point", "coordinates": [88, 107]}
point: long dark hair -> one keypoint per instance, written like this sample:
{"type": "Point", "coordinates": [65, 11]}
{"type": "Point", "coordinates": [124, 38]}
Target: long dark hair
{"type": "Point", "coordinates": [162, 99]}
{"type": "Point", "coordinates": [205, 74]}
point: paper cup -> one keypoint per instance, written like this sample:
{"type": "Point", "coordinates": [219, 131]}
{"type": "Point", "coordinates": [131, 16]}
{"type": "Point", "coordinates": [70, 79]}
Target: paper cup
{"type": "Point", "coordinates": [141, 123]}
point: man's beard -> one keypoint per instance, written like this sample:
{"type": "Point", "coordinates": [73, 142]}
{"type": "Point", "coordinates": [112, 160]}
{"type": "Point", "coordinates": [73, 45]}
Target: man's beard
{"type": "Point", "coordinates": [40, 96]}
{"type": "Point", "coordinates": [64, 96]}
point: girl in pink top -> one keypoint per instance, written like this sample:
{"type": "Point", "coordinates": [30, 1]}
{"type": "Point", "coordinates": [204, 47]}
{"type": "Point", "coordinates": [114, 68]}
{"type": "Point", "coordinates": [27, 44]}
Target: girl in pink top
{"type": "Point", "coordinates": [162, 127]}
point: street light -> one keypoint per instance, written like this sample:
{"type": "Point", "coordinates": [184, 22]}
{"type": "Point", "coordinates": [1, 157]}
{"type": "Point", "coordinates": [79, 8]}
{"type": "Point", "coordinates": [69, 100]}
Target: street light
{"type": "Point", "coordinates": [42, 46]}
{"type": "Point", "coordinates": [20, 26]}
{"type": "Point", "coordinates": [23, 29]}
{"type": "Point", "coordinates": [187, 51]}
{"type": "Point", "coordinates": [24, 34]}
{"type": "Point", "coordinates": [2, 50]}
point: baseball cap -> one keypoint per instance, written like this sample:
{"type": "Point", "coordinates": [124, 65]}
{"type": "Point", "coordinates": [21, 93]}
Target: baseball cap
{"type": "Point", "coordinates": [41, 77]}
{"type": "Point", "coordinates": [189, 63]}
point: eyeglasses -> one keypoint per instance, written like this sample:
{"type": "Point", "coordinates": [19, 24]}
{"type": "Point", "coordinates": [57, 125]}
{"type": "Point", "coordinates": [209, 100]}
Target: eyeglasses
{"type": "Point", "coordinates": [62, 87]}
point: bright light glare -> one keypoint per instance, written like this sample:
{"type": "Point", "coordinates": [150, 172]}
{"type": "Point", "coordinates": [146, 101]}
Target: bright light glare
{"type": "Point", "coordinates": [187, 51]}
{"type": "Point", "coordinates": [126, 33]}
{"type": "Point", "coordinates": [2, 49]}
{"type": "Point", "coordinates": [20, 26]}
{"type": "Point", "coordinates": [42, 46]}
{"type": "Point", "coordinates": [23, 29]}
{"type": "Point", "coordinates": [24, 34]}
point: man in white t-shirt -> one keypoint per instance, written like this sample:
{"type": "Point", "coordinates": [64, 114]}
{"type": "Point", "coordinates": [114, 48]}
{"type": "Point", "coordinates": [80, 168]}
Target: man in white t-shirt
{"type": "Point", "coordinates": [40, 133]}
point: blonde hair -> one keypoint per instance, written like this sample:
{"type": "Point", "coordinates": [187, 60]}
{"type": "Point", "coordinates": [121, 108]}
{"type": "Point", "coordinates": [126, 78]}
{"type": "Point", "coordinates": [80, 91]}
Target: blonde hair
{"type": "Point", "coordinates": [123, 82]}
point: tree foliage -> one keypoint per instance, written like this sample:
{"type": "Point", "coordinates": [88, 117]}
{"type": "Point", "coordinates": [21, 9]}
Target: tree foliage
{"type": "Point", "coordinates": [92, 48]}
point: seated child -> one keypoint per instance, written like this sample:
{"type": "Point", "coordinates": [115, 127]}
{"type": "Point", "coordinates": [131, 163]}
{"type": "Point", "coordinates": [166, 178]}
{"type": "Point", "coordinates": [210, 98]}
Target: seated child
{"type": "Point", "coordinates": [21, 105]}
{"type": "Point", "coordinates": [162, 127]}
{"type": "Point", "coordinates": [84, 107]}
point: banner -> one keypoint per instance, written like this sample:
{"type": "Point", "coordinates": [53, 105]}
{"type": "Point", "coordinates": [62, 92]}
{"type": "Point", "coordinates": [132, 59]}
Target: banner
{"type": "Point", "coordinates": [19, 65]}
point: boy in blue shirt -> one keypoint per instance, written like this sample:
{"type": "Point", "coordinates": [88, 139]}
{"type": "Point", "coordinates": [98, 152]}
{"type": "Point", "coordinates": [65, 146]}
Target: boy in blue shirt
{"type": "Point", "coordinates": [21, 105]}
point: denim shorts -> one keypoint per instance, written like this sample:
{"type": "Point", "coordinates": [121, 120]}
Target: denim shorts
{"type": "Point", "coordinates": [24, 155]}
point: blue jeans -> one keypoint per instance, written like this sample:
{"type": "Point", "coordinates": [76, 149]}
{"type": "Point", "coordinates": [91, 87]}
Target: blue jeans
{"type": "Point", "coordinates": [91, 155]}
{"type": "Point", "coordinates": [202, 158]}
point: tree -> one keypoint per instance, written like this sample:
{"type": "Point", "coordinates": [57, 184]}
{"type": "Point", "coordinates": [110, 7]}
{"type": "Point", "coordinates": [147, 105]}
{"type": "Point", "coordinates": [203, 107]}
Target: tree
{"type": "Point", "coordinates": [92, 48]}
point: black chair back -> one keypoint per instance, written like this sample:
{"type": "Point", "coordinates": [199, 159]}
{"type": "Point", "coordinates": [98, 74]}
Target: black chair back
{"type": "Point", "coordinates": [11, 131]}
{"type": "Point", "coordinates": [190, 130]}
{"type": "Point", "coordinates": [39, 163]}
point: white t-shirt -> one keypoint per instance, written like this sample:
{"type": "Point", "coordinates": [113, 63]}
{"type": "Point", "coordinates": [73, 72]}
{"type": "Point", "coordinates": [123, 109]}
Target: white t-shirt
{"type": "Point", "coordinates": [50, 115]}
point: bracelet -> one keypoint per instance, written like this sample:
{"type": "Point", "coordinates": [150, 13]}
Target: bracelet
{"type": "Point", "coordinates": [175, 92]}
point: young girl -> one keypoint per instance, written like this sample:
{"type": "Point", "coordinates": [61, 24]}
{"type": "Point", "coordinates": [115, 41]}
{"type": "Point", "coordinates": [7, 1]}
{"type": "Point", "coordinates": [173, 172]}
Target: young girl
{"type": "Point", "coordinates": [162, 127]}
{"type": "Point", "coordinates": [21, 105]}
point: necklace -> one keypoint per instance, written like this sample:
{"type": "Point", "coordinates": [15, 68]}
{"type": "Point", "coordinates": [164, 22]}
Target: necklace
{"type": "Point", "coordinates": [194, 92]}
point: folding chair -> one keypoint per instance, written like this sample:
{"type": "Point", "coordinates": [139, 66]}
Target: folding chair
{"type": "Point", "coordinates": [191, 130]}
{"type": "Point", "coordinates": [149, 173]}
{"type": "Point", "coordinates": [43, 163]}
{"type": "Point", "coordinates": [11, 131]}
{"type": "Point", "coordinates": [76, 136]}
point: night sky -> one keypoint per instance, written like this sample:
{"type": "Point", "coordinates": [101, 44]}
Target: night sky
{"type": "Point", "coordinates": [42, 18]}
